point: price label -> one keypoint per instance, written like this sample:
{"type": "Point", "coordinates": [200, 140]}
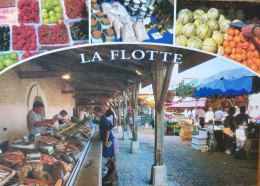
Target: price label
{"type": "Point", "coordinates": [157, 35]}
{"type": "Point", "coordinates": [170, 30]}
{"type": "Point", "coordinates": [146, 21]}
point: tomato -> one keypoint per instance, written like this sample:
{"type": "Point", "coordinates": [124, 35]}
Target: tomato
{"type": "Point", "coordinates": [225, 43]}
{"type": "Point", "coordinates": [232, 44]}
{"type": "Point", "coordinates": [239, 45]}
{"type": "Point", "coordinates": [238, 57]}
{"type": "Point", "coordinates": [246, 45]}
{"type": "Point", "coordinates": [238, 50]}
{"type": "Point", "coordinates": [236, 32]}
{"type": "Point", "coordinates": [237, 39]}
{"type": "Point", "coordinates": [228, 50]}
{"type": "Point", "coordinates": [232, 56]}
{"type": "Point", "coordinates": [230, 31]}
{"type": "Point", "coordinates": [251, 47]}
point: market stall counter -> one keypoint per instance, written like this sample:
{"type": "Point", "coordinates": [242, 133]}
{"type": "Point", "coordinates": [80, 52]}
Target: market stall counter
{"type": "Point", "coordinates": [49, 159]}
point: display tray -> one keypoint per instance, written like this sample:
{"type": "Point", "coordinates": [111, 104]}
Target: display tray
{"type": "Point", "coordinates": [66, 129]}
{"type": "Point", "coordinates": [7, 178]}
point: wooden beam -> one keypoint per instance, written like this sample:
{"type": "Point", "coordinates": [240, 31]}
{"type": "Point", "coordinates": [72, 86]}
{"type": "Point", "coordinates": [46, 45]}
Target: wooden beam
{"type": "Point", "coordinates": [40, 74]}
{"type": "Point", "coordinates": [119, 112]}
{"type": "Point", "coordinates": [68, 91]}
{"type": "Point", "coordinates": [165, 86]}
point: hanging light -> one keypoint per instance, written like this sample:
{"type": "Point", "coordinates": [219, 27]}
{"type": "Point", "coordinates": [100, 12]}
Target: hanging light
{"type": "Point", "coordinates": [66, 76]}
{"type": "Point", "coordinates": [138, 72]}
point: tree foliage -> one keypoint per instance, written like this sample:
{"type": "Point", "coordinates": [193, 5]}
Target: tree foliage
{"type": "Point", "coordinates": [184, 90]}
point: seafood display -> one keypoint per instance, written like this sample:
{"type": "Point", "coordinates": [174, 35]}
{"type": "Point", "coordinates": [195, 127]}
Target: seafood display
{"type": "Point", "coordinates": [52, 158]}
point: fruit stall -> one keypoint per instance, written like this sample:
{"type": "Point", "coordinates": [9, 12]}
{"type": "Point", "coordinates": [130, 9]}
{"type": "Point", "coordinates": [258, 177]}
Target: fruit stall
{"type": "Point", "coordinates": [54, 158]}
{"type": "Point", "coordinates": [219, 27]}
{"type": "Point", "coordinates": [132, 21]}
{"type": "Point", "coordinates": [40, 26]}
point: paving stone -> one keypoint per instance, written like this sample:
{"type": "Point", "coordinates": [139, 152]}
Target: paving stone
{"type": "Point", "coordinates": [185, 166]}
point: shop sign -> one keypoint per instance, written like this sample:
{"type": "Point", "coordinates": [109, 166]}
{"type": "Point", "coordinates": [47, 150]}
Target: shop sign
{"type": "Point", "coordinates": [134, 55]}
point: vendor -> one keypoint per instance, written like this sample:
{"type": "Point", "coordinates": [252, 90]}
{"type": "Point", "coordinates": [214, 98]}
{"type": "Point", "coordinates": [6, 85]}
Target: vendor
{"type": "Point", "coordinates": [242, 120]}
{"type": "Point", "coordinates": [200, 117]}
{"type": "Point", "coordinates": [35, 120]}
{"type": "Point", "coordinates": [83, 114]}
{"type": "Point", "coordinates": [61, 120]}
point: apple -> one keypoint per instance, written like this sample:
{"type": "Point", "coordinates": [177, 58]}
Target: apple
{"type": "Point", "coordinates": [13, 56]}
{"type": "Point", "coordinates": [2, 57]}
{"type": "Point", "coordinates": [44, 15]}
{"type": "Point", "coordinates": [55, 2]}
{"type": "Point", "coordinates": [53, 19]}
{"type": "Point", "coordinates": [51, 13]}
{"type": "Point", "coordinates": [58, 15]}
{"type": "Point", "coordinates": [46, 21]}
{"type": "Point", "coordinates": [60, 20]}
{"type": "Point", "coordinates": [2, 65]}
{"type": "Point", "coordinates": [8, 62]}
{"type": "Point", "coordinates": [58, 9]}
{"type": "Point", "coordinates": [7, 56]}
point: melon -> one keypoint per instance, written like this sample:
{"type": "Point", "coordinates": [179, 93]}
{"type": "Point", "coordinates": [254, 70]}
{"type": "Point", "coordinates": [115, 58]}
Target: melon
{"type": "Point", "coordinates": [213, 24]}
{"type": "Point", "coordinates": [210, 45]}
{"type": "Point", "coordinates": [236, 20]}
{"type": "Point", "coordinates": [231, 17]}
{"type": "Point", "coordinates": [220, 50]}
{"type": "Point", "coordinates": [224, 25]}
{"type": "Point", "coordinates": [194, 42]}
{"type": "Point", "coordinates": [204, 31]}
{"type": "Point", "coordinates": [240, 16]}
{"type": "Point", "coordinates": [198, 13]}
{"type": "Point", "coordinates": [189, 30]}
{"type": "Point", "coordinates": [218, 37]}
{"type": "Point", "coordinates": [231, 11]}
{"type": "Point", "coordinates": [221, 11]}
{"type": "Point", "coordinates": [178, 30]}
{"type": "Point", "coordinates": [213, 13]}
{"type": "Point", "coordinates": [221, 18]}
{"type": "Point", "coordinates": [185, 16]}
{"type": "Point", "coordinates": [181, 40]}
{"type": "Point", "coordinates": [205, 9]}
{"type": "Point", "coordinates": [197, 22]}
{"type": "Point", "coordinates": [204, 18]}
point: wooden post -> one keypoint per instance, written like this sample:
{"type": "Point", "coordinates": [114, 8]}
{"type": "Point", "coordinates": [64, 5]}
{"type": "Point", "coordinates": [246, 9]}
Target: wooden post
{"type": "Point", "coordinates": [119, 111]}
{"type": "Point", "coordinates": [125, 131]}
{"type": "Point", "coordinates": [135, 93]}
{"type": "Point", "coordinates": [125, 109]}
{"type": "Point", "coordinates": [161, 81]}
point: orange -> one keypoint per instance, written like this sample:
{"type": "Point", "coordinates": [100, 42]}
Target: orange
{"type": "Point", "coordinates": [236, 32]}
{"type": "Point", "coordinates": [257, 62]}
{"type": "Point", "coordinates": [225, 43]}
{"type": "Point", "coordinates": [230, 31]}
{"type": "Point", "coordinates": [256, 54]}
{"type": "Point", "coordinates": [253, 67]}
{"type": "Point", "coordinates": [232, 44]}
{"type": "Point", "coordinates": [249, 54]}
{"type": "Point", "coordinates": [243, 57]}
{"type": "Point", "coordinates": [239, 45]}
{"type": "Point", "coordinates": [238, 57]}
{"type": "Point", "coordinates": [246, 45]}
{"type": "Point", "coordinates": [233, 51]}
{"type": "Point", "coordinates": [244, 63]}
{"type": "Point", "coordinates": [225, 55]}
{"type": "Point", "coordinates": [232, 56]}
{"type": "Point", "coordinates": [237, 39]}
{"type": "Point", "coordinates": [258, 71]}
{"type": "Point", "coordinates": [251, 47]}
{"type": "Point", "coordinates": [238, 50]}
{"type": "Point", "coordinates": [230, 38]}
{"type": "Point", "coordinates": [243, 51]}
{"type": "Point", "coordinates": [242, 37]}
{"type": "Point", "coordinates": [227, 50]}
{"type": "Point", "coordinates": [249, 61]}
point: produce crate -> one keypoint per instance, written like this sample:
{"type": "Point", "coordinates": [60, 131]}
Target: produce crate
{"type": "Point", "coordinates": [12, 173]}
{"type": "Point", "coordinates": [198, 140]}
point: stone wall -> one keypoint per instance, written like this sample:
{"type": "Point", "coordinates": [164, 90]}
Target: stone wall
{"type": "Point", "coordinates": [17, 97]}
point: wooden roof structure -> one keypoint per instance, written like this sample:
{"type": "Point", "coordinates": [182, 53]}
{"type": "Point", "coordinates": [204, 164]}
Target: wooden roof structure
{"type": "Point", "coordinates": [104, 79]}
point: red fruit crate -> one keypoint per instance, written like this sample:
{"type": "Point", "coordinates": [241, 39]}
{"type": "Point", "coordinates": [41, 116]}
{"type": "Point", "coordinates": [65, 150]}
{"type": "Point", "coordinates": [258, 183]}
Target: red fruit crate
{"type": "Point", "coordinates": [28, 11]}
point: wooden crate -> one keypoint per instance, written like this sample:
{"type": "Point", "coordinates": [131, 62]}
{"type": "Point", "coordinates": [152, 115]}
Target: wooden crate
{"type": "Point", "coordinates": [12, 173]}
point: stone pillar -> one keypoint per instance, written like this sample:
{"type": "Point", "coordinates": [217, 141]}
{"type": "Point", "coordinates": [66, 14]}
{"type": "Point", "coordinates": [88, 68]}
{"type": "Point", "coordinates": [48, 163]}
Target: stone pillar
{"type": "Point", "coordinates": [119, 126]}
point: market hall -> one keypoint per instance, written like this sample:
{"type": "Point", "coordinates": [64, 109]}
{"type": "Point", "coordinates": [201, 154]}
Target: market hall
{"type": "Point", "coordinates": [90, 84]}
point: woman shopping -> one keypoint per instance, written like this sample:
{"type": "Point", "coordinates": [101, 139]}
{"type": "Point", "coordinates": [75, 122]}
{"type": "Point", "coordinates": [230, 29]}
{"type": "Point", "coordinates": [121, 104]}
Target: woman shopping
{"type": "Point", "coordinates": [230, 125]}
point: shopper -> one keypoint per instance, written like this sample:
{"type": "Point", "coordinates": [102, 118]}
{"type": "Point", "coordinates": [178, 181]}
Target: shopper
{"type": "Point", "coordinates": [209, 116]}
{"type": "Point", "coordinates": [200, 117]}
{"type": "Point", "coordinates": [152, 122]}
{"type": "Point", "coordinates": [130, 121]}
{"type": "Point", "coordinates": [230, 125]}
{"type": "Point", "coordinates": [219, 115]}
{"type": "Point", "coordinates": [242, 120]}
{"type": "Point", "coordinates": [105, 132]}
{"type": "Point", "coordinates": [35, 121]}
{"type": "Point", "coordinates": [61, 120]}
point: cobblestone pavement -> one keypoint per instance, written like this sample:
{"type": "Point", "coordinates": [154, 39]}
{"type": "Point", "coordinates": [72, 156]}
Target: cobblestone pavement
{"type": "Point", "coordinates": [185, 166]}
